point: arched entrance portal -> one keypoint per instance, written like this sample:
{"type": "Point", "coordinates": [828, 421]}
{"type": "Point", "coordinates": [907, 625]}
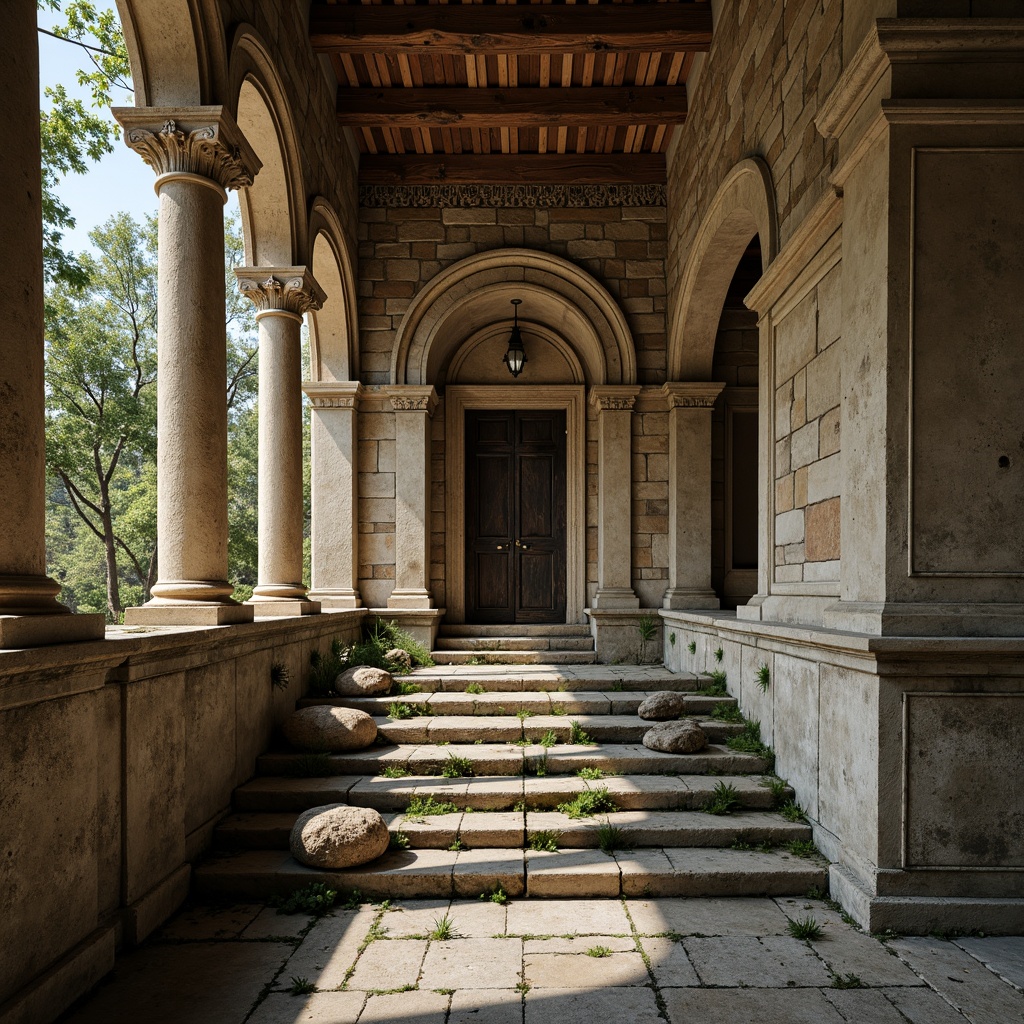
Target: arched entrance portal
{"type": "Point", "coordinates": [515, 492]}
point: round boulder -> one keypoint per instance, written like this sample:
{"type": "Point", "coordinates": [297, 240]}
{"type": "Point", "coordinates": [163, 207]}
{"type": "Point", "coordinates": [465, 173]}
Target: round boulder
{"type": "Point", "coordinates": [659, 707]}
{"type": "Point", "coordinates": [338, 836]}
{"type": "Point", "coordinates": [399, 657]}
{"type": "Point", "coordinates": [333, 729]}
{"type": "Point", "coordinates": [685, 737]}
{"type": "Point", "coordinates": [362, 681]}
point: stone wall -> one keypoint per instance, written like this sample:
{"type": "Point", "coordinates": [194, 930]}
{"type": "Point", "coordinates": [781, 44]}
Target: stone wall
{"type": "Point", "coordinates": [119, 757]}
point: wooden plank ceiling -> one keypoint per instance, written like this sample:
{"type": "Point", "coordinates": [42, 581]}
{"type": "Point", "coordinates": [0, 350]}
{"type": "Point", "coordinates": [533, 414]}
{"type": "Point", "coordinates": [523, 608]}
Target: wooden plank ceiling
{"type": "Point", "coordinates": [511, 92]}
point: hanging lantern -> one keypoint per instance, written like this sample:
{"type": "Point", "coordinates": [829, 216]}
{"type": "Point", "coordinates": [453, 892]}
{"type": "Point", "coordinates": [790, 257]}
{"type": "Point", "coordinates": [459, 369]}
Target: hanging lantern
{"type": "Point", "coordinates": [515, 357]}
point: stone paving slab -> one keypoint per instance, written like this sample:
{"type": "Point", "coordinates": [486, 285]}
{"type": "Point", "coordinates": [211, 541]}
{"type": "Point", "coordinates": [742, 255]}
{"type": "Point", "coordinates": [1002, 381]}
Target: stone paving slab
{"type": "Point", "coordinates": [406, 1008]}
{"type": "Point", "coordinates": [772, 961]}
{"type": "Point", "coordinates": [319, 1008]}
{"type": "Point", "coordinates": [567, 917]}
{"type": "Point", "coordinates": [491, 963]}
{"type": "Point", "coordinates": [579, 945]}
{"type": "Point", "coordinates": [211, 922]}
{"type": "Point", "coordinates": [670, 965]}
{"type": "Point", "coordinates": [697, 916]}
{"type": "Point", "coordinates": [486, 1006]}
{"type": "Point", "coordinates": [1003, 955]}
{"type": "Point", "coordinates": [962, 980]}
{"type": "Point", "coordinates": [865, 1006]}
{"type": "Point", "coordinates": [388, 965]}
{"type": "Point", "coordinates": [747, 1006]}
{"type": "Point", "coordinates": [413, 918]}
{"type": "Point", "coordinates": [924, 1006]}
{"type": "Point", "coordinates": [330, 948]}
{"type": "Point", "coordinates": [597, 1006]}
{"type": "Point", "coordinates": [552, 970]}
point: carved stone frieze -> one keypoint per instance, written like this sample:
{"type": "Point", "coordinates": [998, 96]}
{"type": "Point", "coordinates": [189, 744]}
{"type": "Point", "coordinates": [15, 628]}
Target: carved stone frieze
{"type": "Point", "coordinates": [413, 398]}
{"type": "Point", "coordinates": [203, 141]}
{"type": "Point", "coordinates": [280, 289]}
{"type": "Point", "coordinates": [504, 196]}
{"type": "Point", "coordinates": [614, 397]}
{"type": "Point", "coordinates": [341, 394]}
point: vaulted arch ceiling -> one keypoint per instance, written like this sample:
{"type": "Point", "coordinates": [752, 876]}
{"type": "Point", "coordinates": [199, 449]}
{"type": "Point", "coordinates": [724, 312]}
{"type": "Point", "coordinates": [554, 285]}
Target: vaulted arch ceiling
{"type": "Point", "coordinates": [506, 92]}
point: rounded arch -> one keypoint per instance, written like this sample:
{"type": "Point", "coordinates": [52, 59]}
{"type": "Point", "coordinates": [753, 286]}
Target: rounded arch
{"type": "Point", "coordinates": [334, 329]}
{"type": "Point", "coordinates": [273, 207]}
{"type": "Point", "coordinates": [474, 293]}
{"type": "Point", "coordinates": [743, 207]}
{"type": "Point", "coordinates": [176, 51]}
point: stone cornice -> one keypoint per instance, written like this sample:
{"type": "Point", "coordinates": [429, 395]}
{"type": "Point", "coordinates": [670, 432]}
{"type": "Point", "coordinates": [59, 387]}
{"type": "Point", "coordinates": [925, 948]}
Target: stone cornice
{"type": "Point", "coordinates": [280, 289]}
{"type": "Point", "coordinates": [333, 394]}
{"type": "Point", "coordinates": [856, 83]}
{"type": "Point", "coordinates": [527, 196]}
{"type": "Point", "coordinates": [413, 398]}
{"type": "Point", "coordinates": [614, 397]}
{"type": "Point", "coordinates": [691, 394]}
{"type": "Point", "coordinates": [204, 141]}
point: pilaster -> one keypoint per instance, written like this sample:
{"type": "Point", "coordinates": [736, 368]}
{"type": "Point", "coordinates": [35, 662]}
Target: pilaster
{"type": "Point", "coordinates": [414, 406]}
{"type": "Point", "coordinates": [334, 471]}
{"type": "Point", "coordinates": [690, 405]}
{"type": "Point", "coordinates": [614, 403]}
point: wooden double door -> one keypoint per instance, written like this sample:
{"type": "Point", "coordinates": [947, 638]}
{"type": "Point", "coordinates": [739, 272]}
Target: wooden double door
{"type": "Point", "coordinates": [515, 516]}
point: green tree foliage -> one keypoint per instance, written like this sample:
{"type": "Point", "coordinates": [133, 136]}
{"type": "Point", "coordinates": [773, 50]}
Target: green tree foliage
{"type": "Point", "coordinates": [72, 134]}
{"type": "Point", "coordinates": [101, 416]}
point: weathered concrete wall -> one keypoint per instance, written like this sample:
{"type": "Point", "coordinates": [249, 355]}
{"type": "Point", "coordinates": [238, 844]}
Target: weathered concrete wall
{"type": "Point", "coordinates": [118, 758]}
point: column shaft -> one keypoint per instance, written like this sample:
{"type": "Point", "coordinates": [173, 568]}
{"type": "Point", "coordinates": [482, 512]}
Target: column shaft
{"type": "Point", "coordinates": [29, 611]}
{"type": "Point", "coordinates": [197, 154]}
{"type": "Point", "coordinates": [689, 489]}
{"type": "Point", "coordinates": [615, 496]}
{"type": "Point", "coordinates": [335, 536]}
{"type": "Point", "coordinates": [413, 408]}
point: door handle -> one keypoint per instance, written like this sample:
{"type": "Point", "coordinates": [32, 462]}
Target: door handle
{"type": "Point", "coordinates": [500, 547]}
{"type": "Point", "coordinates": [520, 544]}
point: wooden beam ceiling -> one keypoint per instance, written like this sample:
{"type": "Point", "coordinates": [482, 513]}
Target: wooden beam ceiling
{"type": "Point", "coordinates": [514, 169]}
{"type": "Point", "coordinates": [510, 108]}
{"type": "Point", "coordinates": [510, 29]}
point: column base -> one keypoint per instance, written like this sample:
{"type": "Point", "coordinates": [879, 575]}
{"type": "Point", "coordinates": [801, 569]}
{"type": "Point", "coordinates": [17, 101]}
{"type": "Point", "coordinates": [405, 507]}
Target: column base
{"type": "Point", "coordinates": [337, 598]}
{"type": "Point", "coordinates": [182, 614]}
{"type": "Point", "coordinates": [421, 624]}
{"type": "Point", "coordinates": [615, 597]}
{"type": "Point", "coordinates": [38, 630]}
{"type": "Point", "coordinates": [262, 608]}
{"type": "Point", "coordinates": [413, 599]}
{"type": "Point", "coordinates": [681, 597]}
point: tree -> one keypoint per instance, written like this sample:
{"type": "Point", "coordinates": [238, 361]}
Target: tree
{"type": "Point", "coordinates": [100, 375]}
{"type": "Point", "coordinates": [72, 134]}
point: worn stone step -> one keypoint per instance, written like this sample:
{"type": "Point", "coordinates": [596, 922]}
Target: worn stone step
{"type": "Point", "coordinates": [509, 759]}
{"type": "Point", "coordinates": [515, 829]}
{"type": "Point", "coordinates": [500, 703]}
{"type": "Point", "coordinates": [546, 678]}
{"type": "Point", "coordinates": [508, 657]}
{"type": "Point", "coordinates": [260, 874]}
{"type": "Point", "coordinates": [499, 644]}
{"type": "Point", "coordinates": [494, 793]}
{"type": "Point", "coordinates": [551, 629]}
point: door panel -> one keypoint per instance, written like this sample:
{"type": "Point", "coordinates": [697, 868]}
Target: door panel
{"type": "Point", "coordinates": [515, 516]}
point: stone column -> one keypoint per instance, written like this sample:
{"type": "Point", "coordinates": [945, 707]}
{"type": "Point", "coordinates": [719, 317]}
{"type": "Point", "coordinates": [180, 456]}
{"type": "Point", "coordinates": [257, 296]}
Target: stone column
{"type": "Point", "coordinates": [29, 611]}
{"type": "Point", "coordinates": [335, 527]}
{"type": "Point", "coordinates": [197, 154]}
{"type": "Point", "coordinates": [614, 403]}
{"type": "Point", "coordinates": [281, 296]}
{"type": "Point", "coordinates": [689, 494]}
{"type": "Point", "coordinates": [413, 407]}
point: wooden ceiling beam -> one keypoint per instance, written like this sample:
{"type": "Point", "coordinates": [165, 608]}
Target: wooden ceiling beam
{"type": "Point", "coordinates": [511, 28]}
{"type": "Point", "coordinates": [515, 169]}
{"type": "Point", "coordinates": [599, 106]}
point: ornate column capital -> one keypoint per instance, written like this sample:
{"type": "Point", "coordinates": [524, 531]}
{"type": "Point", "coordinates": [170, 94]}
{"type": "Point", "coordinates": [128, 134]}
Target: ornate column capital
{"type": "Point", "coordinates": [333, 394]}
{"type": "Point", "coordinates": [290, 290]}
{"type": "Point", "coordinates": [614, 397]}
{"type": "Point", "coordinates": [413, 398]}
{"type": "Point", "coordinates": [691, 394]}
{"type": "Point", "coordinates": [202, 141]}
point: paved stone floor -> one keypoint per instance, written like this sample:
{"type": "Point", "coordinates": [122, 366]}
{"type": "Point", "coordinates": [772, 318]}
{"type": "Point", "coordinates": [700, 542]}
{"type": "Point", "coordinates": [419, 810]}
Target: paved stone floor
{"type": "Point", "coordinates": [639, 961]}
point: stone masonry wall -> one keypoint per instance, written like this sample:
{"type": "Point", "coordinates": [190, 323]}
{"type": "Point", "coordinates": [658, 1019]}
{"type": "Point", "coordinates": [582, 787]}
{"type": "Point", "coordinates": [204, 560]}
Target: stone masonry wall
{"type": "Point", "coordinates": [807, 462]}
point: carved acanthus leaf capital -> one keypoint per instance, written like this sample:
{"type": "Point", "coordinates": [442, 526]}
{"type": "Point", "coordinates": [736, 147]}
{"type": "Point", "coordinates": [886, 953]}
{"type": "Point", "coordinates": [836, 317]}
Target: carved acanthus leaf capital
{"type": "Point", "coordinates": [280, 289]}
{"type": "Point", "coordinates": [691, 394]}
{"type": "Point", "coordinates": [614, 397]}
{"type": "Point", "coordinates": [197, 140]}
{"type": "Point", "coordinates": [413, 398]}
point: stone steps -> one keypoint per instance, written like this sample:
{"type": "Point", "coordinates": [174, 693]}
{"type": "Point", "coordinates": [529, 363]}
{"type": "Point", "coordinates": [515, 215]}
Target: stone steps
{"type": "Point", "coordinates": [515, 829]}
{"type": "Point", "coordinates": [497, 703]}
{"type": "Point", "coordinates": [452, 630]}
{"type": "Point", "coordinates": [692, 871]}
{"type": "Point", "coordinates": [509, 728]}
{"type": "Point", "coordinates": [497, 793]}
{"type": "Point", "coordinates": [515, 657]}
{"type": "Point", "coordinates": [509, 759]}
{"type": "Point", "coordinates": [500, 644]}
{"type": "Point", "coordinates": [550, 678]}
